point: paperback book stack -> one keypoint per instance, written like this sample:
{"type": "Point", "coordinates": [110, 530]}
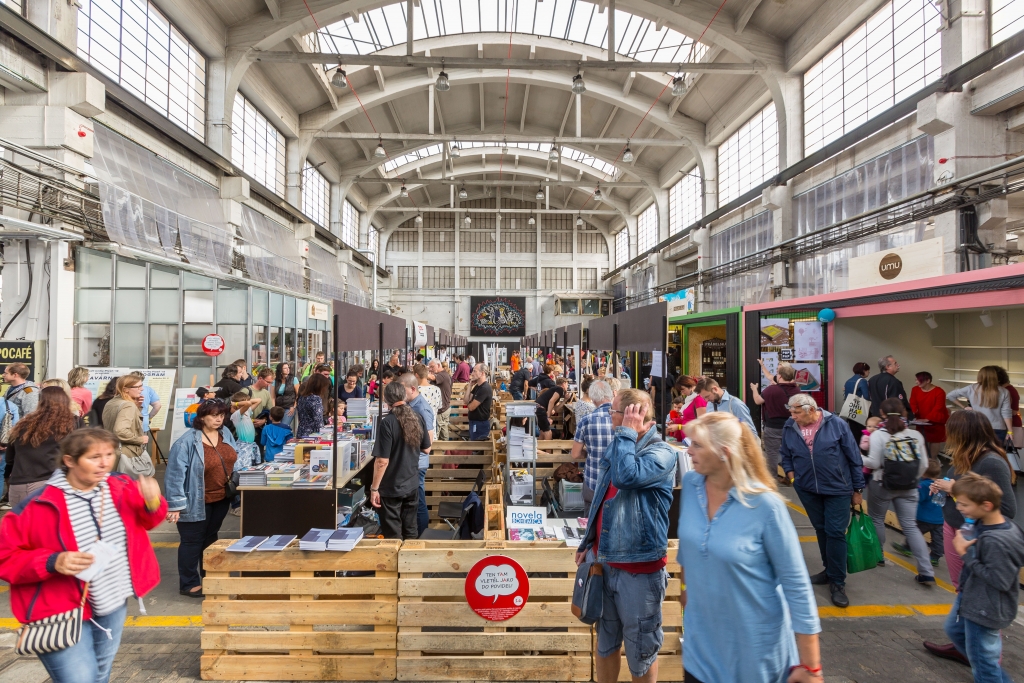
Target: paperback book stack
{"type": "Point", "coordinates": [255, 475]}
{"type": "Point", "coordinates": [357, 409]}
{"type": "Point", "coordinates": [316, 539]}
{"type": "Point", "coordinates": [521, 446]}
{"type": "Point", "coordinates": [345, 539]}
{"type": "Point", "coordinates": [284, 475]}
{"type": "Point", "coordinates": [287, 453]}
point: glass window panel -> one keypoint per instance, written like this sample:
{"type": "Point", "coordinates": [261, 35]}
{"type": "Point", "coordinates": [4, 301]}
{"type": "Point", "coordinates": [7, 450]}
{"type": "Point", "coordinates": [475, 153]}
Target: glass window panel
{"type": "Point", "coordinates": [260, 306]}
{"type": "Point", "coordinates": [198, 307]}
{"type": "Point", "coordinates": [163, 346]}
{"type": "Point", "coordinates": [130, 345]}
{"type": "Point", "coordinates": [162, 278]}
{"type": "Point", "coordinates": [289, 345]}
{"type": "Point", "coordinates": [92, 269]}
{"type": "Point", "coordinates": [300, 338]}
{"type": "Point", "coordinates": [316, 195]}
{"type": "Point", "coordinates": [164, 305]}
{"type": "Point", "coordinates": [130, 274]}
{"type": "Point", "coordinates": [569, 306]}
{"type": "Point", "coordinates": [232, 306]}
{"type": "Point", "coordinates": [257, 146]}
{"type": "Point", "coordinates": [289, 311]}
{"type": "Point", "coordinates": [621, 248]}
{"type": "Point", "coordinates": [197, 375]}
{"type": "Point", "coordinates": [259, 345]}
{"type": "Point", "coordinates": [685, 202]}
{"type": "Point", "coordinates": [234, 342]}
{"type": "Point", "coordinates": [591, 307]}
{"type": "Point", "coordinates": [749, 156]}
{"type": "Point", "coordinates": [276, 309]}
{"type": "Point", "coordinates": [275, 345]}
{"type": "Point", "coordinates": [92, 345]}
{"type": "Point", "coordinates": [197, 282]}
{"type": "Point", "coordinates": [647, 229]}
{"type": "Point", "coordinates": [192, 345]}
{"type": "Point", "coordinates": [92, 306]}
{"type": "Point", "coordinates": [129, 307]}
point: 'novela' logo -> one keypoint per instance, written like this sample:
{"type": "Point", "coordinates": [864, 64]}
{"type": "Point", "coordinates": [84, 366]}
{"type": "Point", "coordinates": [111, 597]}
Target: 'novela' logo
{"type": "Point", "coordinates": [890, 266]}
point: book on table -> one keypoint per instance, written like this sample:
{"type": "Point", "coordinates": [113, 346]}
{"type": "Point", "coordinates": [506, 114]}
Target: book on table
{"type": "Point", "coordinates": [345, 539]}
{"type": "Point", "coordinates": [315, 539]}
{"type": "Point", "coordinates": [246, 544]}
{"type": "Point", "coordinates": [276, 543]}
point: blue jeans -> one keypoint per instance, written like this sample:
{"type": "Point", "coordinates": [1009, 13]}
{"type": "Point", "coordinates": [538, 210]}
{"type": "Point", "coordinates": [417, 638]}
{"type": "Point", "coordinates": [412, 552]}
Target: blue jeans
{"type": "Point", "coordinates": [981, 645]}
{"type": "Point", "coordinates": [517, 395]}
{"type": "Point", "coordinates": [89, 660]}
{"type": "Point", "coordinates": [422, 514]}
{"type": "Point", "coordinates": [479, 430]}
{"type": "Point", "coordinates": [830, 517]}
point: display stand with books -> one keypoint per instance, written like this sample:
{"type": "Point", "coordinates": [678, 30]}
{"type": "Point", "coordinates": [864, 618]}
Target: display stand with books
{"type": "Point", "coordinates": [521, 452]}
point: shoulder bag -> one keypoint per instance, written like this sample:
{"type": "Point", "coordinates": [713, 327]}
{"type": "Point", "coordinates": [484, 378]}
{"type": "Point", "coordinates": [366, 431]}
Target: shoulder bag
{"type": "Point", "coordinates": [588, 592]}
{"type": "Point", "coordinates": [854, 407]}
{"type": "Point", "coordinates": [58, 631]}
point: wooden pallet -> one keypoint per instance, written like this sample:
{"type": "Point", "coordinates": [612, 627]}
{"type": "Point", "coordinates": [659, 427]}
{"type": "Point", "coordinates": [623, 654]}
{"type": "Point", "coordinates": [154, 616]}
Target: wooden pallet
{"type": "Point", "coordinates": [670, 661]}
{"type": "Point", "coordinates": [550, 455]}
{"type": "Point", "coordinates": [294, 590]}
{"type": "Point", "coordinates": [446, 484]}
{"type": "Point", "coordinates": [441, 639]}
{"type": "Point", "coordinates": [494, 512]}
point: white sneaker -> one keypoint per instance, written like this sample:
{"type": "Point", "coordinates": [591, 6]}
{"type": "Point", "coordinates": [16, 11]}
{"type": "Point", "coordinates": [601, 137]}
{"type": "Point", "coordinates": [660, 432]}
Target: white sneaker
{"type": "Point", "coordinates": [237, 512]}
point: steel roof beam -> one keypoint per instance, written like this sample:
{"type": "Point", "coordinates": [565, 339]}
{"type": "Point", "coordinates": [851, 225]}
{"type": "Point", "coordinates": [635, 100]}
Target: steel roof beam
{"type": "Point", "coordinates": [500, 183]}
{"type": "Point", "coordinates": [498, 138]}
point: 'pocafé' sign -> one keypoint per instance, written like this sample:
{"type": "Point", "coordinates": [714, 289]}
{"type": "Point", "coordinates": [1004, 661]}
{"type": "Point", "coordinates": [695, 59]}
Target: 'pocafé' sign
{"type": "Point", "coordinates": [18, 352]}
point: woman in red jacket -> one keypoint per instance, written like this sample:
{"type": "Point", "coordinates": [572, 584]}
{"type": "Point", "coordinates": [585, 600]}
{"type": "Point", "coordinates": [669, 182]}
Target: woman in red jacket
{"type": "Point", "coordinates": [83, 515]}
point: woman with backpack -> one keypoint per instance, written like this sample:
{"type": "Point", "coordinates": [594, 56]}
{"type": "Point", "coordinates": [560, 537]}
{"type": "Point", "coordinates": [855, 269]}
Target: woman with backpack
{"type": "Point", "coordinates": [898, 457]}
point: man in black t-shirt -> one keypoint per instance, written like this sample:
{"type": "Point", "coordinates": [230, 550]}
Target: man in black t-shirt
{"type": "Point", "coordinates": [479, 396]}
{"type": "Point", "coordinates": [547, 401]}
{"type": "Point", "coordinates": [518, 383]}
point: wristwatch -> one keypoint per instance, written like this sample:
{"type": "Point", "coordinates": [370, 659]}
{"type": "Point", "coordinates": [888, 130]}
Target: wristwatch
{"type": "Point", "coordinates": [858, 490]}
{"type": "Point", "coordinates": [374, 490]}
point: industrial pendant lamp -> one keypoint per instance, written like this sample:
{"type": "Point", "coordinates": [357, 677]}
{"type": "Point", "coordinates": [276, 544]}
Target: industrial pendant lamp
{"type": "Point", "coordinates": [531, 221]}
{"type": "Point", "coordinates": [579, 221]}
{"type": "Point", "coordinates": [627, 156]}
{"type": "Point", "coordinates": [504, 147]}
{"type": "Point", "coordinates": [597, 194]}
{"type": "Point", "coordinates": [540, 193]}
{"type": "Point", "coordinates": [467, 220]}
{"type": "Point", "coordinates": [419, 219]}
{"type": "Point", "coordinates": [442, 84]}
{"type": "Point", "coordinates": [578, 86]}
{"type": "Point", "coordinates": [339, 80]}
{"type": "Point", "coordinates": [379, 152]}
{"type": "Point", "coordinates": [463, 194]}
{"type": "Point", "coordinates": [455, 153]}
{"type": "Point", "coordinates": [403, 192]}
{"type": "Point", "coordinates": [678, 86]}
{"type": "Point", "coordinates": [553, 154]}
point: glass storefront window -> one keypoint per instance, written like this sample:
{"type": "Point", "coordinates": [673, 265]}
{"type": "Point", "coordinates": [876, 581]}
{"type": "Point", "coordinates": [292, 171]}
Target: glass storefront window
{"type": "Point", "coordinates": [232, 306]}
{"type": "Point", "coordinates": [301, 338]}
{"type": "Point", "coordinates": [129, 307]}
{"type": "Point", "coordinates": [569, 306]}
{"type": "Point", "coordinates": [129, 343]}
{"type": "Point", "coordinates": [163, 346]}
{"type": "Point", "coordinates": [198, 307]}
{"type": "Point", "coordinates": [276, 309]}
{"type": "Point", "coordinates": [289, 344]}
{"type": "Point", "coordinates": [591, 307]}
{"type": "Point", "coordinates": [202, 376]}
{"type": "Point", "coordinates": [192, 345]}
{"type": "Point", "coordinates": [164, 306]}
{"type": "Point", "coordinates": [259, 345]}
{"type": "Point", "coordinates": [92, 305]}
{"type": "Point", "coordinates": [275, 345]}
{"type": "Point", "coordinates": [234, 343]}
{"type": "Point", "coordinates": [92, 269]}
{"type": "Point", "coordinates": [289, 312]}
{"type": "Point", "coordinates": [93, 345]}
{"type": "Point", "coordinates": [131, 274]}
{"type": "Point", "coordinates": [260, 307]}
{"type": "Point", "coordinates": [193, 281]}
{"type": "Point", "coordinates": [163, 278]}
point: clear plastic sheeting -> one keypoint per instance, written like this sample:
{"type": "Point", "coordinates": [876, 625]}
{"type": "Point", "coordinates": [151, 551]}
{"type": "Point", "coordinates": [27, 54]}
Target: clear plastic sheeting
{"type": "Point", "coordinates": [325, 278]}
{"type": "Point", "coordinates": [152, 205]}
{"type": "Point", "coordinates": [270, 252]}
{"type": "Point", "coordinates": [887, 178]}
{"type": "Point", "coordinates": [739, 240]}
{"type": "Point", "coordinates": [358, 290]}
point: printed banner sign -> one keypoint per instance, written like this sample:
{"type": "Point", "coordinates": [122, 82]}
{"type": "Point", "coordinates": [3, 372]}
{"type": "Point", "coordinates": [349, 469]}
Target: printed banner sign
{"type": "Point", "coordinates": [183, 398]}
{"type": "Point", "coordinates": [19, 352]}
{"type": "Point", "coordinates": [526, 516]}
{"type": "Point", "coordinates": [162, 382]}
{"type": "Point", "coordinates": [910, 262]}
{"type": "Point", "coordinates": [497, 588]}
{"type": "Point", "coordinates": [497, 316]}
{"type": "Point", "coordinates": [420, 334]}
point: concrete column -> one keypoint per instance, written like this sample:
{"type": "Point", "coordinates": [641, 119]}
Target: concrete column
{"type": "Point", "coordinates": [419, 257]}
{"type": "Point", "coordinates": [223, 76]}
{"type": "Point", "coordinates": [631, 226]}
{"type": "Point", "coordinates": [59, 18]}
{"type": "Point", "coordinates": [575, 252]}
{"type": "Point", "coordinates": [61, 338]}
{"type": "Point", "coordinates": [709, 178]}
{"type": "Point", "coordinates": [497, 239]}
{"type": "Point", "coordinates": [787, 93]}
{"type": "Point", "coordinates": [967, 34]}
{"type": "Point", "coordinates": [779, 200]}
{"type": "Point", "coordinates": [336, 199]}
{"type": "Point", "coordinates": [362, 238]}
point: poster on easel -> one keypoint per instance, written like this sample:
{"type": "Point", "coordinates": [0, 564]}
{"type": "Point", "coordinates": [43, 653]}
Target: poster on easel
{"type": "Point", "coordinates": [99, 377]}
{"type": "Point", "coordinates": [183, 398]}
{"type": "Point", "coordinates": [162, 382]}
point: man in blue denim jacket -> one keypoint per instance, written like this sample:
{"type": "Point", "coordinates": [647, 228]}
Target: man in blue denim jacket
{"type": "Point", "coordinates": [634, 488]}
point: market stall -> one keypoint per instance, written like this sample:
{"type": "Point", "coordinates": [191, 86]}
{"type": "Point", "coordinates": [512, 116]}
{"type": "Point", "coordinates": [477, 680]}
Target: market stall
{"type": "Point", "coordinates": [708, 345]}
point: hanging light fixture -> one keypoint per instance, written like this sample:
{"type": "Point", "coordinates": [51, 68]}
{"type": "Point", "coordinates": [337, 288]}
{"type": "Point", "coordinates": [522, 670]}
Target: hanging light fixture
{"type": "Point", "coordinates": [553, 153]}
{"type": "Point", "coordinates": [579, 220]}
{"type": "Point", "coordinates": [455, 153]}
{"type": "Point", "coordinates": [467, 220]}
{"type": "Point", "coordinates": [463, 194]}
{"type": "Point", "coordinates": [442, 84]}
{"type": "Point", "coordinates": [540, 193]}
{"type": "Point", "coordinates": [578, 86]}
{"type": "Point", "coordinates": [531, 221]}
{"type": "Point", "coordinates": [403, 192]}
{"type": "Point", "coordinates": [419, 219]}
{"type": "Point", "coordinates": [678, 86]}
{"type": "Point", "coordinates": [504, 147]}
{"type": "Point", "coordinates": [379, 152]}
{"type": "Point", "coordinates": [339, 79]}
{"type": "Point", "coordinates": [597, 194]}
{"type": "Point", "coordinates": [627, 156]}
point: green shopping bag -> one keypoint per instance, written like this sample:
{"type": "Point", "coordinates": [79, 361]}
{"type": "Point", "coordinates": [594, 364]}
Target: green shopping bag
{"type": "Point", "coordinates": [862, 548]}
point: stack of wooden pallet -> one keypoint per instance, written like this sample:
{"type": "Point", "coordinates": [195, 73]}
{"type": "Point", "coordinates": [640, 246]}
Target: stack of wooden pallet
{"type": "Point", "coordinates": [454, 466]}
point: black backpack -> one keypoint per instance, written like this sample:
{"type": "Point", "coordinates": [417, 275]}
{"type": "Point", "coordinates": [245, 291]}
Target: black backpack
{"type": "Point", "coordinates": [901, 464]}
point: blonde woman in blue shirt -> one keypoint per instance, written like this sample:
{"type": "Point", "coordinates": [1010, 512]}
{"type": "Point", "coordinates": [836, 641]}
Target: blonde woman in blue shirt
{"type": "Point", "coordinates": [738, 547]}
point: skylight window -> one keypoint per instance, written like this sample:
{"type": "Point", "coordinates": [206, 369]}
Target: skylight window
{"type": "Point", "coordinates": [584, 158]}
{"type": "Point", "coordinates": [422, 153]}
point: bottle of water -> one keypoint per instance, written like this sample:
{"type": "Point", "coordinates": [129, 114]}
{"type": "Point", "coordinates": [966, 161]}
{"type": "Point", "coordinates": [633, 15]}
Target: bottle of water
{"type": "Point", "coordinates": [939, 497]}
{"type": "Point", "coordinates": [968, 530]}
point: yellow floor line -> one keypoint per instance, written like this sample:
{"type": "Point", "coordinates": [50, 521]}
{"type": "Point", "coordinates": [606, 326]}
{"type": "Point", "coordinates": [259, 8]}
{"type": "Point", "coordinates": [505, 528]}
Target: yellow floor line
{"type": "Point", "coordinates": [166, 544]}
{"type": "Point", "coordinates": [798, 508]}
{"type": "Point", "coordinates": [895, 559]}
{"type": "Point", "coordinates": [808, 539]}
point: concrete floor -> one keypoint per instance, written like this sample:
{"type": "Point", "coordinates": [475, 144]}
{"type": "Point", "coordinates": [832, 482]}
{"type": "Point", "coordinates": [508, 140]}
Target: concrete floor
{"type": "Point", "coordinates": [877, 639]}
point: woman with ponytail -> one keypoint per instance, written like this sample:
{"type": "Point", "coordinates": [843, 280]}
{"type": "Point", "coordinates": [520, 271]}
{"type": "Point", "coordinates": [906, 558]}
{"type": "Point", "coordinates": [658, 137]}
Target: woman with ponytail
{"type": "Point", "coordinates": [396, 478]}
{"type": "Point", "coordinates": [895, 442]}
{"type": "Point", "coordinates": [737, 547]}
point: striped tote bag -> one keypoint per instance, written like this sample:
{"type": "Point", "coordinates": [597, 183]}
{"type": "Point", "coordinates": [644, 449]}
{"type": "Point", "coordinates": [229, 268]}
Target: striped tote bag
{"type": "Point", "coordinates": [52, 634]}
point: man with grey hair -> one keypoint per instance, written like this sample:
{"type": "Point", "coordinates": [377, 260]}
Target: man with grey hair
{"type": "Point", "coordinates": [824, 464]}
{"type": "Point", "coordinates": [479, 396]}
{"type": "Point", "coordinates": [594, 433]}
{"type": "Point", "coordinates": [885, 385]}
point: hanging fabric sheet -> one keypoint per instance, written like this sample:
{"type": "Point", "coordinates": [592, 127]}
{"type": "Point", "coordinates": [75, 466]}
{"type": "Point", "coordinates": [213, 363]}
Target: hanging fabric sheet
{"type": "Point", "coordinates": [270, 252]}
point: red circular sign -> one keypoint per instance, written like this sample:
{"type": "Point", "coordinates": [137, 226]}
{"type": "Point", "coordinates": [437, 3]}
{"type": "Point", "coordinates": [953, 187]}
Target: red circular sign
{"type": "Point", "coordinates": [213, 345]}
{"type": "Point", "coordinates": [497, 588]}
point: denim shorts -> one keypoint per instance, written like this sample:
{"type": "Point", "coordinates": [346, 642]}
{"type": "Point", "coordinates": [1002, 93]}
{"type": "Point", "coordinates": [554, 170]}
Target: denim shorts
{"type": "Point", "coordinates": [632, 615]}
